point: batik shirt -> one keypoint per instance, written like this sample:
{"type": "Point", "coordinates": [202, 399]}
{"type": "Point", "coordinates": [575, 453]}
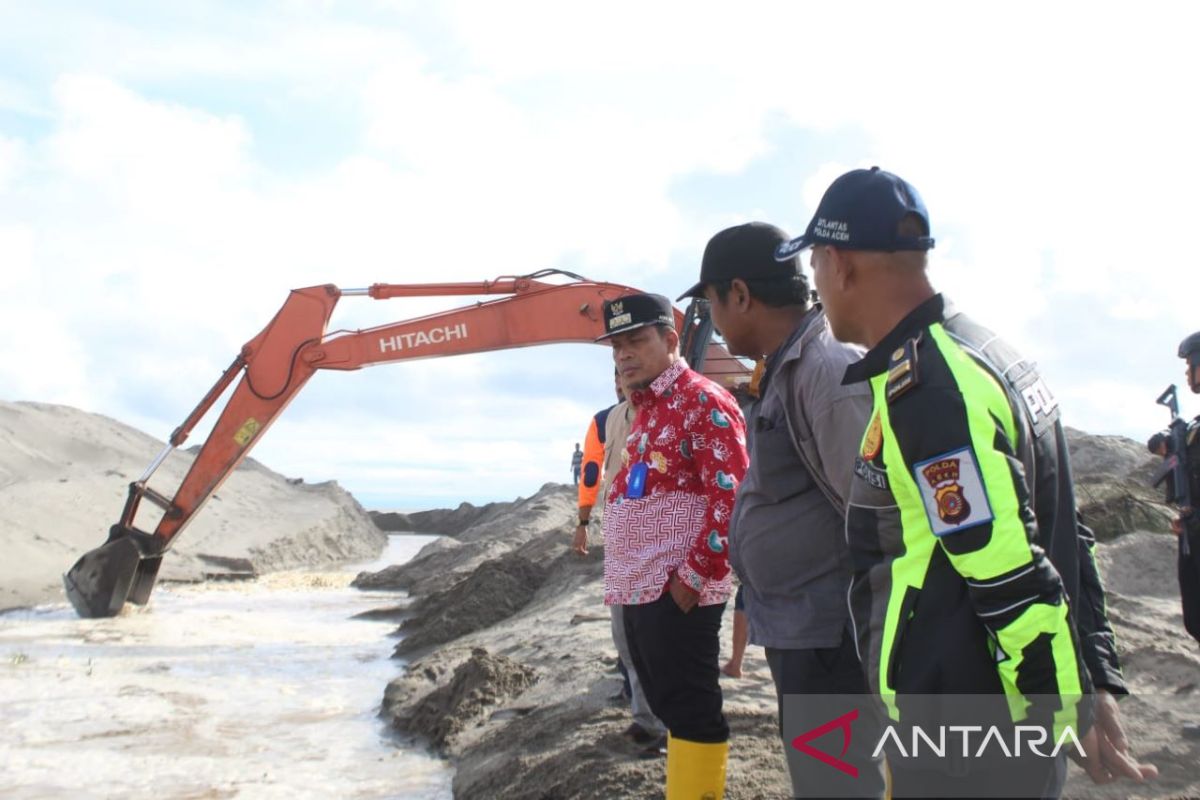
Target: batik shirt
{"type": "Point", "coordinates": [691, 435]}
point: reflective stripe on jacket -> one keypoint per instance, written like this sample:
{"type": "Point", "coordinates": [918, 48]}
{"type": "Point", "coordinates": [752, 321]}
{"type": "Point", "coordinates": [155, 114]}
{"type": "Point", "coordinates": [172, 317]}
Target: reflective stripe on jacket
{"type": "Point", "coordinates": [953, 590]}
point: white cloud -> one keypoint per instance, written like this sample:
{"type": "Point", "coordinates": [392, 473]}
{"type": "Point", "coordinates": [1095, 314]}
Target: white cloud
{"type": "Point", "coordinates": [39, 358]}
{"type": "Point", "coordinates": [113, 138]}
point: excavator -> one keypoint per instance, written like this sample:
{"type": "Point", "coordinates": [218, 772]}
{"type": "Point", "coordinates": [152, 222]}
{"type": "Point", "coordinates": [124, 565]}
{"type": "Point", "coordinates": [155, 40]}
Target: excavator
{"type": "Point", "coordinates": [276, 364]}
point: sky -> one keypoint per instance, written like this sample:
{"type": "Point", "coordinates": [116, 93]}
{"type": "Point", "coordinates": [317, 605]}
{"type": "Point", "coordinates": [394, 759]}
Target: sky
{"type": "Point", "coordinates": [169, 171]}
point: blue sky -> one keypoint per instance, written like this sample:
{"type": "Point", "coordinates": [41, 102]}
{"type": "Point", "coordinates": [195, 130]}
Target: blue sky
{"type": "Point", "coordinates": [169, 171]}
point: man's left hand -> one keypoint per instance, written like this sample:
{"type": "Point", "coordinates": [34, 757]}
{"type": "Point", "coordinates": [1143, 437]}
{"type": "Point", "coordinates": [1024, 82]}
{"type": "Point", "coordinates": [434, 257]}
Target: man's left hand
{"type": "Point", "coordinates": [1107, 748]}
{"type": "Point", "coordinates": [684, 596]}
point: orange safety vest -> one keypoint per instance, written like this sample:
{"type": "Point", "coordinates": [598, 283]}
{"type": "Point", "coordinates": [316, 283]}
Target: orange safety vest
{"type": "Point", "coordinates": [593, 460]}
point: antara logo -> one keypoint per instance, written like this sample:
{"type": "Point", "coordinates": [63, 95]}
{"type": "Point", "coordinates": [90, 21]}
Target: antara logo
{"type": "Point", "coordinates": [1032, 736]}
{"type": "Point", "coordinates": [976, 741]}
{"type": "Point", "coordinates": [409, 341]}
{"type": "Point", "coordinates": [842, 723]}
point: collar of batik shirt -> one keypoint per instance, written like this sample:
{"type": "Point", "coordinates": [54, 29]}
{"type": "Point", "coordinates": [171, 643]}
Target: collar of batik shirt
{"type": "Point", "coordinates": [659, 386]}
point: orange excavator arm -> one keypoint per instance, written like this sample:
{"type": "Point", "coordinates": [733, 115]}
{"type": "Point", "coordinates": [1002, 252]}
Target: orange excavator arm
{"type": "Point", "coordinates": [275, 365]}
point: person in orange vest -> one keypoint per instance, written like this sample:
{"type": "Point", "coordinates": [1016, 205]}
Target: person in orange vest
{"type": "Point", "coordinates": [588, 477]}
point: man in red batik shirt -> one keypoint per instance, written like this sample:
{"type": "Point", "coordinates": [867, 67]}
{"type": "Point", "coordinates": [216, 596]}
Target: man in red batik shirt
{"type": "Point", "coordinates": [666, 522]}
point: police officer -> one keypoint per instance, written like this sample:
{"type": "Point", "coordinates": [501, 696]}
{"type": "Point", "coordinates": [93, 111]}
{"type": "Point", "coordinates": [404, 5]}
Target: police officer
{"type": "Point", "coordinates": [972, 575]}
{"type": "Point", "coordinates": [1188, 522]}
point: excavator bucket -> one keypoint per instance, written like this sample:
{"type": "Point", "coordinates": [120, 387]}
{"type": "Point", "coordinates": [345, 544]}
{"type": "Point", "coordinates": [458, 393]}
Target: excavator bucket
{"type": "Point", "coordinates": [144, 580]}
{"type": "Point", "coordinates": [99, 583]}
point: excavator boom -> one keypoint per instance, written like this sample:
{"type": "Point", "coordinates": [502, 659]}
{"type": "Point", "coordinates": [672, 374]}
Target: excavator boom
{"type": "Point", "coordinates": [276, 364]}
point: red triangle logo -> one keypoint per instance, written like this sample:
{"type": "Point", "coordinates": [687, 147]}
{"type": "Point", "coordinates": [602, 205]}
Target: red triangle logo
{"type": "Point", "coordinates": [842, 723]}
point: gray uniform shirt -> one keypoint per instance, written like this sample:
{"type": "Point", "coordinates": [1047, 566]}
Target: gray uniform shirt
{"type": "Point", "coordinates": [787, 534]}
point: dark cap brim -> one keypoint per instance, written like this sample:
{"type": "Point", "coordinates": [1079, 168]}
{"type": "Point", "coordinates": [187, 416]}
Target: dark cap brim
{"type": "Point", "coordinates": [696, 291]}
{"type": "Point", "coordinates": [628, 328]}
{"type": "Point", "coordinates": [788, 250]}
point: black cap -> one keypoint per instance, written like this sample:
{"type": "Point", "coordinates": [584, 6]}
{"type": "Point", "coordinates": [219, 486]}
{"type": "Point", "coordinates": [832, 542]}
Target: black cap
{"type": "Point", "coordinates": [861, 210]}
{"type": "Point", "coordinates": [747, 252]}
{"type": "Point", "coordinates": [1189, 348]}
{"type": "Point", "coordinates": [636, 311]}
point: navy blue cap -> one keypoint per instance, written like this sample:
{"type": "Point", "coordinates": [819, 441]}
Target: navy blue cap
{"type": "Point", "coordinates": [862, 210]}
{"type": "Point", "coordinates": [636, 311]}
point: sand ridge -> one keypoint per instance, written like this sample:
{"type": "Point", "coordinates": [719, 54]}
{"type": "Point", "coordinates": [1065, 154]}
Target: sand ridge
{"type": "Point", "coordinates": [64, 476]}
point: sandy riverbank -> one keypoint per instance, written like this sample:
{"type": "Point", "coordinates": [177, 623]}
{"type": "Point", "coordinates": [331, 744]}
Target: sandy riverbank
{"type": "Point", "coordinates": [512, 668]}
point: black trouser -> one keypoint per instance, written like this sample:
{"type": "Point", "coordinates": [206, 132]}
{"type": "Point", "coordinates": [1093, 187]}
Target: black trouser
{"type": "Point", "coordinates": [675, 655]}
{"type": "Point", "coordinates": [1189, 584]}
{"type": "Point", "coordinates": [1041, 779]}
{"type": "Point", "coordinates": [833, 672]}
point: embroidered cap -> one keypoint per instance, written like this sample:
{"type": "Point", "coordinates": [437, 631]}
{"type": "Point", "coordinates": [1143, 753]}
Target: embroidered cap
{"type": "Point", "coordinates": [862, 210]}
{"type": "Point", "coordinates": [636, 311]}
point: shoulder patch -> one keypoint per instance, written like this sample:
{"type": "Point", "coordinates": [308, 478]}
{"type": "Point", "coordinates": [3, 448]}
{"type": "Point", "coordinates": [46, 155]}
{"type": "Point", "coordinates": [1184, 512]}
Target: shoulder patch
{"type": "Point", "coordinates": [1041, 406]}
{"type": "Point", "coordinates": [952, 490]}
{"type": "Point", "coordinates": [902, 369]}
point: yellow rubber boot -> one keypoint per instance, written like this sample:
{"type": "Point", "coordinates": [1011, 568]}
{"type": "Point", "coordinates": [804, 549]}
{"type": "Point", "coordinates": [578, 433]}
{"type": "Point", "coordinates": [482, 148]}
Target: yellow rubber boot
{"type": "Point", "coordinates": [695, 770]}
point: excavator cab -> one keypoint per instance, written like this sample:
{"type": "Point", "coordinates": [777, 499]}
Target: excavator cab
{"type": "Point", "coordinates": [273, 366]}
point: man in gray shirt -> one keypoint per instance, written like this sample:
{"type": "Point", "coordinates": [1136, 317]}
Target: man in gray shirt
{"type": "Point", "coordinates": [787, 534]}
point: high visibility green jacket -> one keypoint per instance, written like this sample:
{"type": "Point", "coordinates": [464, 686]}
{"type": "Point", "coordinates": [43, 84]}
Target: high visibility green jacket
{"type": "Point", "coordinates": [961, 489]}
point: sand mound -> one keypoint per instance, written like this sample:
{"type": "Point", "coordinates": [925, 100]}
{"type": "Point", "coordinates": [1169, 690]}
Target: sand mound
{"type": "Point", "coordinates": [446, 521]}
{"type": "Point", "coordinates": [64, 475]}
{"type": "Point", "coordinates": [1112, 485]}
{"type": "Point", "coordinates": [492, 593]}
{"type": "Point", "coordinates": [439, 562]}
{"type": "Point", "coordinates": [479, 683]}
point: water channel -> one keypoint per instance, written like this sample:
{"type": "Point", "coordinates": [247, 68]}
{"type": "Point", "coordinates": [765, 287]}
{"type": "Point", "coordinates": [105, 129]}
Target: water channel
{"type": "Point", "coordinates": [263, 689]}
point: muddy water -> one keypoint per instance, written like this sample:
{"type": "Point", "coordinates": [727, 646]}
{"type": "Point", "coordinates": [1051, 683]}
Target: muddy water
{"type": "Point", "coordinates": [234, 690]}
